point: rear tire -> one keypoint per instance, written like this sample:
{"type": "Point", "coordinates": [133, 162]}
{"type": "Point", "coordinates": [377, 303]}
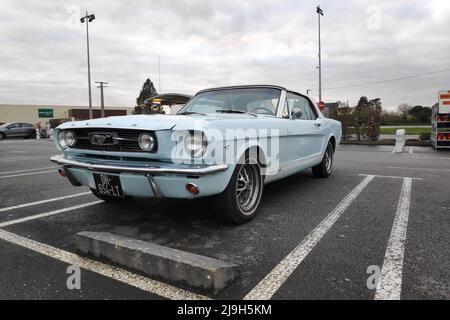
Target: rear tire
{"type": "Point", "coordinates": [239, 202]}
{"type": "Point", "coordinates": [109, 198]}
{"type": "Point", "coordinates": [325, 168]}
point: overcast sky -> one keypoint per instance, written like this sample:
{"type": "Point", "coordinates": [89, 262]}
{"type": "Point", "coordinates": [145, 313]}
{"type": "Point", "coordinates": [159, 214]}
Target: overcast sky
{"type": "Point", "coordinates": [214, 43]}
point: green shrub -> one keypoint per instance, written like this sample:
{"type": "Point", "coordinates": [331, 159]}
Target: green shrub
{"type": "Point", "coordinates": [425, 136]}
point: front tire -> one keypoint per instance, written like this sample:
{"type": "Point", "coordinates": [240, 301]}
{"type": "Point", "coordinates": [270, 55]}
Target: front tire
{"type": "Point", "coordinates": [108, 198]}
{"type": "Point", "coordinates": [2, 136]}
{"type": "Point", "coordinates": [325, 168]}
{"type": "Point", "coordinates": [239, 202]}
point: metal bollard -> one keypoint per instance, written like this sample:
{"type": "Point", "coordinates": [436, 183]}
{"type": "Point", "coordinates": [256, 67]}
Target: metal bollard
{"type": "Point", "coordinates": [400, 141]}
{"type": "Point", "coordinates": [38, 134]}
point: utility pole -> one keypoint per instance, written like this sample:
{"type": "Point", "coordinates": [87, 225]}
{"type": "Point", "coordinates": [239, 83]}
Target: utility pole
{"type": "Point", "coordinates": [159, 73]}
{"type": "Point", "coordinates": [320, 13]}
{"type": "Point", "coordinates": [88, 18]}
{"type": "Point", "coordinates": [101, 86]}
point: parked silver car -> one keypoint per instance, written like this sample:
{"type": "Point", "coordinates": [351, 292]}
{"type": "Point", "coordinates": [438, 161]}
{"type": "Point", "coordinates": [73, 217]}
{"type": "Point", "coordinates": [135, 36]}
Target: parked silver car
{"type": "Point", "coordinates": [17, 129]}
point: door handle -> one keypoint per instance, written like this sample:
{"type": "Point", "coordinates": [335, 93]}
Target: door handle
{"type": "Point", "coordinates": [318, 125]}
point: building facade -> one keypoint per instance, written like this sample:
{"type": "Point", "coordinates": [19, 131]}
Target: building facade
{"type": "Point", "coordinates": [44, 113]}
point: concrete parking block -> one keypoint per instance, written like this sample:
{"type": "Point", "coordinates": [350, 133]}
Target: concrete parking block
{"type": "Point", "coordinates": [158, 261]}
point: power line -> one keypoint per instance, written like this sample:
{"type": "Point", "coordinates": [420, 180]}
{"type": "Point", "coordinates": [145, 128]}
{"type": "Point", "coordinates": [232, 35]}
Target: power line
{"type": "Point", "coordinates": [389, 80]}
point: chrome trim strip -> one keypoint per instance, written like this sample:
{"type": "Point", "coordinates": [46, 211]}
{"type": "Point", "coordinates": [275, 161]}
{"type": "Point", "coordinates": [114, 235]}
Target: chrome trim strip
{"type": "Point", "coordinates": [298, 163]}
{"type": "Point", "coordinates": [125, 139]}
{"type": "Point", "coordinates": [194, 171]}
{"type": "Point", "coordinates": [281, 104]}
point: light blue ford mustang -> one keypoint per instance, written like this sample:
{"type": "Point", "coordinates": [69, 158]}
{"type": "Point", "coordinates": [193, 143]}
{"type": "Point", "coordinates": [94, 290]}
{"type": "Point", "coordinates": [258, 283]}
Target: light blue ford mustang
{"type": "Point", "coordinates": [225, 143]}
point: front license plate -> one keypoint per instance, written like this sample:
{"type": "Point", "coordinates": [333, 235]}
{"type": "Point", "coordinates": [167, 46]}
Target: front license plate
{"type": "Point", "coordinates": [108, 185]}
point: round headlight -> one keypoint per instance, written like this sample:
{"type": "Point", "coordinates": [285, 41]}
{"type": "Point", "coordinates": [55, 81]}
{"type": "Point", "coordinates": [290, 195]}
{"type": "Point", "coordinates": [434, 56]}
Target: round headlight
{"type": "Point", "coordinates": [147, 141]}
{"type": "Point", "coordinates": [70, 138]}
{"type": "Point", "coordinates": [62, 139]}
{"type": "Point", "coordinates": [195, 144]}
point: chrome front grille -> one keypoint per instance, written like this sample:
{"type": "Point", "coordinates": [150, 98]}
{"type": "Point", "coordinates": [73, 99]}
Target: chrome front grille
{"type": "Point", "coordinates": [122, 140]}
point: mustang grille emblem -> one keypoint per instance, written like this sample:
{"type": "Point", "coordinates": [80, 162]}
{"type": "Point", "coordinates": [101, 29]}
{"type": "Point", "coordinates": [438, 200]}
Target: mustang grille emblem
{"type": "Point", "coordinates": [104, 139]}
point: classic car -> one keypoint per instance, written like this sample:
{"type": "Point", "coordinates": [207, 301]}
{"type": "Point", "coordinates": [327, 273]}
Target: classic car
{"type": "Point", "coordinates": [224, 144]}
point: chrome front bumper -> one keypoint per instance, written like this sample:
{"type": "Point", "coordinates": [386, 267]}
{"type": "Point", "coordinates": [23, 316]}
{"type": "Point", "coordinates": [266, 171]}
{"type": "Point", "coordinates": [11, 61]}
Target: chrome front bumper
{"type": "Point", "coordinates": [153, 170]}
{"type": "Point", "coordinates": [148, 172]}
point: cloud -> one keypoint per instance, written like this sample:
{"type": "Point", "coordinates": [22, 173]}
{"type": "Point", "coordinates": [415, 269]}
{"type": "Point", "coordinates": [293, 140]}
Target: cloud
{"type": "Point", "coordinates": [214, 43]}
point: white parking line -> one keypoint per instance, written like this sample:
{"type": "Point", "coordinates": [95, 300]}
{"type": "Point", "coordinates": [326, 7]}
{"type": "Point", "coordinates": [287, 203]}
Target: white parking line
{"type": "Point", "coordinates": [390, 285]}
{"type": "Point", "coordinates": [429, 158]}
{"type": "Point", "coordinates": [132, 279]}
{"type": "Point", "coordinates": [15, 152]}
{"type": "Point", "coordinates": [275, 279]}
{"type": "Point", "coordinates": [424, 169]}
{"type": "Point", "coordinates": [22, 159]}
{"type": "Point", "coordinates": [28, 170]}
{"type": "Point", "coordinates": [390, 177]}
{"type": "Point", "coordinates": [43, 201]}
{"type": "Point", "coordinates": [48, 214]}
{"type": "Point", "coordinates": [27, 174]}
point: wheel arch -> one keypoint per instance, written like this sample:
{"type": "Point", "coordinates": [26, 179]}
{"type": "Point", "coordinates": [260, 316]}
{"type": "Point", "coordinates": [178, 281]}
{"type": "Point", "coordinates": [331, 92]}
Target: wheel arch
{"type": "Point", "coordinates": [332, 139]}
{"type": "Point", "coordinates": [253, 150]}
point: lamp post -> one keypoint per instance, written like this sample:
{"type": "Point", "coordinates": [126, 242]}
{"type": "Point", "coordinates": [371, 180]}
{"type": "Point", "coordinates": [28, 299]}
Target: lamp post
{"type": "Point", "coordinates": [320, 13]}
{"type": "Point", "coordinates": [101, 86]}
{"type": "Point", "coordinates": [88, 18]}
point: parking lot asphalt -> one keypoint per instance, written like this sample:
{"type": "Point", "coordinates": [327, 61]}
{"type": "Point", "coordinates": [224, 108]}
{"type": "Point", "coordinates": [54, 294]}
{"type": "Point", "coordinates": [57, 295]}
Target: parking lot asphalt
{"type": "Point", "coordinates": [312, 239]}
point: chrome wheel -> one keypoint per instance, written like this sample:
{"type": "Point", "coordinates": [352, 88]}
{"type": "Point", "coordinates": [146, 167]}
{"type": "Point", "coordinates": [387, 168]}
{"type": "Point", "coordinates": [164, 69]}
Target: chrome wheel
{"type": "Point", "coordinates": [248, 188]}
{"type": "Point", "coordinates": [329, 159]}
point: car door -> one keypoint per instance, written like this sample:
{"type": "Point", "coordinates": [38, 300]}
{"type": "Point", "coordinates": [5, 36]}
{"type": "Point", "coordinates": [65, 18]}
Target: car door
{"type": "Point", "coordinates": [14, 130]}
{"type": "Point", "coordinates": [28, 129]}
{"type": "Point", "coordinates": [303, 129]}
{"type": "Point", "coordinates": [321, 130]}
{"type": "Point", "coordinates": [23, 130]}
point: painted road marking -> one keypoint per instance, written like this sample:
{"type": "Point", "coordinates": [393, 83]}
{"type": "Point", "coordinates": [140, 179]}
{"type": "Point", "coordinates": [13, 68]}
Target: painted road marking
{"type": "Point", "coordinates": [390, 285]}
{"type": "Point", "coordinates": [429, 158]}
{"type": "Point", "coordinates": [48, 214]}
{"type": "Point", "coordinates": [27, 174]}
{"type": "Point", "coordinates": [22, 159]}
{"type": "Point", "coordinates": [15, 152]}
{"type": "Point", "coordinates": [390, 177]}
{"type": "Point", "coordinates": [424, 169]}
{"type": "Point", "coordinates": [28, 170]}
{"type": "Point", "coordinates": [126, 277]}
{"type": "Point", "coordinates": [275, 279]}
{"type": "Point", "coordinates": [44, 201]}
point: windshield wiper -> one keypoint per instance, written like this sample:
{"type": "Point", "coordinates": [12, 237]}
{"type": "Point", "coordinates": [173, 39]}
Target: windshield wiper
{"type": "Point", "coordinates": [192, 112]}
{"type": "Point", "coordinates": [235, 111]}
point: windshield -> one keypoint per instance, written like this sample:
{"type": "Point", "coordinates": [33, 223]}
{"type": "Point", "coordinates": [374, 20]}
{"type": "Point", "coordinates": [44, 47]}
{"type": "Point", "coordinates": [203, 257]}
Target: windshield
{"type": "Point", "coordinates": [5, 125]}
{"type": "Point", "coordinates": [263, 101]}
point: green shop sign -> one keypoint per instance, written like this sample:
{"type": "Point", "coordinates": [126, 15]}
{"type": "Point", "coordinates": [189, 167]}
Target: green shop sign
{"type": "Point", "coordinates": [45, 113]}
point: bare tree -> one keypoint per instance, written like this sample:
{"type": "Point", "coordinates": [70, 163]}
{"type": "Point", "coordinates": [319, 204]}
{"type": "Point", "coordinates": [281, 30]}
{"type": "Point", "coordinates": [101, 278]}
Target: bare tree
{"type": "Point", "coordinates": [404, 110]}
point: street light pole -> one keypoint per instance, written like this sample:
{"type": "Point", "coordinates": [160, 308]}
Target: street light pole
{"type": "Point", "coordinates": [88, 18]}
{"type": "Point", "coordinates": [320, 13]}
{"type": "Point", "coordinates": [159, 73]}
{"type": "Point", "coordinates": [101, 86]}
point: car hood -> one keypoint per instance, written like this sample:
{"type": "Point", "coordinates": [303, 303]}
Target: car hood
{"type": "Point", "coordinates": [154, 122]}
